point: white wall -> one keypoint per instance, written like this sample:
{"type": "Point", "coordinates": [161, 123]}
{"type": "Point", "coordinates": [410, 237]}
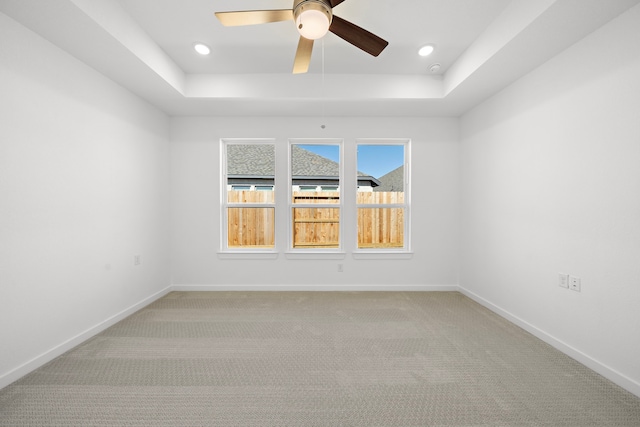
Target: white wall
{"type": "Point", "coordinates": [550, 179]}
{"type": "Point", "coordinates": [195, 181]}
{"type": "Point", "coordinates": [548, 171]}
{"type": "Point", "coordinates": [84, 178]}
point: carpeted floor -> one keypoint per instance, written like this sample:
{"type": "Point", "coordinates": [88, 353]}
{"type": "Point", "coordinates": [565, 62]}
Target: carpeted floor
{"type": "Point", "coordinates": [315, 359]}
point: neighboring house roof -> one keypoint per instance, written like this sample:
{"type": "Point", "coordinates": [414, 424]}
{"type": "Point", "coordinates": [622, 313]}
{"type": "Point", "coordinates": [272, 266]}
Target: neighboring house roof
{"type": "Point", "coordinates": [251, 160]}
{"type": "Point", "coordinates": [257, 160]}
{"type": "Point", "coordinates": [306, 163]}
{"type": "Point", "coordinates": [392, 181]}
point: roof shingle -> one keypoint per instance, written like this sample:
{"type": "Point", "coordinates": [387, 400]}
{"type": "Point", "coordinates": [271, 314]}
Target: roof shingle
{"type": "Point", "coordinates": [392, 181]}
{"type": "Point", "coordinates": [259, 160]}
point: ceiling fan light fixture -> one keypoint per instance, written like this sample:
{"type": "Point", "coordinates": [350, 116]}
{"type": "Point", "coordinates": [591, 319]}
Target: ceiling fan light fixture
{"type": "Point", "coordinates": [202, 48]}
{"type": "Point", "coordinates": [426, 50]}
{"type": "Point", "coordinates": [313, 19]}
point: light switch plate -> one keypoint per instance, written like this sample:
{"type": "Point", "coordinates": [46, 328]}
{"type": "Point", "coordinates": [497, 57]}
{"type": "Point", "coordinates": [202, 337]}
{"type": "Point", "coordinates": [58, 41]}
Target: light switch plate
{"type": "Point", "coordinates": [563, 280]}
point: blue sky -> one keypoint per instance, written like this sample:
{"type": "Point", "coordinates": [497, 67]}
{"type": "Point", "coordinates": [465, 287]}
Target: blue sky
{"type": "Point", "coordinates": [375, 160]}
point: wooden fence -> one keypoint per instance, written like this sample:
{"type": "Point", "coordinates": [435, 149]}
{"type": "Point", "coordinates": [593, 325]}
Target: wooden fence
{"type": "Point", "coordinates": [250, 227]}
{"type": "Point", "coordinates": [378, 227]}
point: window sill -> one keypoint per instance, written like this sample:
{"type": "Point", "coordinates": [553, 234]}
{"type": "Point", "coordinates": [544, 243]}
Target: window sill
{"type": "Point", "coordinates": [315, 255]}
{"type": "Point", "coordinates": [247, 255]}
{"type": "Point", "coordinates": [261, 255]}
{"type": "Point", "coordinates": [382, 255]}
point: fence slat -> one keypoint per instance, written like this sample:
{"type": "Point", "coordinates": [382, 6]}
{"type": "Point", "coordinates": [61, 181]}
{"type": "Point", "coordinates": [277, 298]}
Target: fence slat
{"type": "Point", "coordinates": [378, 227]}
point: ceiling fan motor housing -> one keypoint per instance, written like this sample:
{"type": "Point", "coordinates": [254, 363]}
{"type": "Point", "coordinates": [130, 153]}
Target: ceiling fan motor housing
{"type": "Point", "coordinates": [313, 11]}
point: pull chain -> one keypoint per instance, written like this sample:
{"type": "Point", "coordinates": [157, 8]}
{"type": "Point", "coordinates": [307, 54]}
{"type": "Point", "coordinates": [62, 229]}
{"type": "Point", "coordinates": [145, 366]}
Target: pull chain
{"type": "Point", "coordinates": [322, 100]}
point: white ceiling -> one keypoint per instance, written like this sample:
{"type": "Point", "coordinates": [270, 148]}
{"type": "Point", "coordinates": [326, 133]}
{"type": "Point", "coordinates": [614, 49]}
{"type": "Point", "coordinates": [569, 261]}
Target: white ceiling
{"type": "Point", "coordinates": [482, 45]}
{"type": "Point", "coordinates": [451, 24]}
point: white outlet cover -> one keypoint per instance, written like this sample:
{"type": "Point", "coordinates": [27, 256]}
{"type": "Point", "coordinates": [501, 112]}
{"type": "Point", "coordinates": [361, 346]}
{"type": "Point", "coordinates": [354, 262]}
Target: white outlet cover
{"type": "Point", "coordinates": [574, 284]}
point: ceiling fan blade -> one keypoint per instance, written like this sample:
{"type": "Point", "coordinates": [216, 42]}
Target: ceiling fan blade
{"type": "Point", "coordinates": [359, 37]}
{"type": "Point", "coordinates": [334, 3]}
{"type": "Point", "coordinates": [303, 56]}
{"type": "Point", "coordinates": [253, 17]}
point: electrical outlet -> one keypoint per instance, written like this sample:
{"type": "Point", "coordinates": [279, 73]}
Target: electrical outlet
{"type": "Point", "coordinates": [574, 283]}
{"type": "Point", "coordinates": [340, 268]}
{"type": "Point", "coordinates": [563, 280]}
{"type": "Point", "coordinates": [137, 260]}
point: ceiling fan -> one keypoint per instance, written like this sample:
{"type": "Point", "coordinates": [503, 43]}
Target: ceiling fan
{"type": "Point", "coordinates": [313, 18]}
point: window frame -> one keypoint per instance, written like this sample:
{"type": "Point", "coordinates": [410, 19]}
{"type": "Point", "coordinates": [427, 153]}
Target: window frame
{"type": "Point", "coordinates": [225, 205]}
{"type": "Point", "coordinates": [291, 250]}
{"type": "Point", "coordinates": [406, 205]}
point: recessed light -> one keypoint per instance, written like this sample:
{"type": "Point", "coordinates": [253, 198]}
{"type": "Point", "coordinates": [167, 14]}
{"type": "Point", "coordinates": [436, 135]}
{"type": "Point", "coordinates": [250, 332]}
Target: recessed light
{"type": "Point", "coordinates": [426, 50]}
{"type": "Point", "coordinates": [202, 48]}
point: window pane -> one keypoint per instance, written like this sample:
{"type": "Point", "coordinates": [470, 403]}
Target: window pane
{"type": "Point", "coordinates": [315, 182]}
{"type": "Point", "coordinates": [250, 169]}
{"type": "Point", "coordinates": [380, 227]}
{"type": "Point", "coordinates": [250, 227]}
{"type": "Point", "coordinates": [380, 169]}
{"type": "Point", "coordinates": [316, 227]}
{"type": "Point", "coordinates": [313, 167]}
{"type": "Point", "coordinates": [381, 181]}
{"type": "Point", "coordinates": [250, 180]}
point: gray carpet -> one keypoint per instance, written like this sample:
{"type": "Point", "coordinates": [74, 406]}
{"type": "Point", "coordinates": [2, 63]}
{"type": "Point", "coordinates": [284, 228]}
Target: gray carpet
{"type": "Point", "coordinates": [315, 359]}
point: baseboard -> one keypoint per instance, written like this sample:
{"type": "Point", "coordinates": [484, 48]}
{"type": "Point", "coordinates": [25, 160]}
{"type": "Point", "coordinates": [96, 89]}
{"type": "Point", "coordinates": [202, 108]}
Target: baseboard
{"type": "Point", "coordinates": [51, 354]}
{"type": "Point", "coordinates": [611, 374]}
{"type": "Point", "coordinates": [319, 288]}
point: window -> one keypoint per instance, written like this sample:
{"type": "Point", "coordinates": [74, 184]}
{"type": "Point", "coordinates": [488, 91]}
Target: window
{"type": "Point", "coordinates": [248, 202]}
{"type": "Point", "coordinates": [381, 200]}
{"type": "Point", "coordinates": [314, 213]}
{"type": "Point", "coordinates": [315, 174]}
